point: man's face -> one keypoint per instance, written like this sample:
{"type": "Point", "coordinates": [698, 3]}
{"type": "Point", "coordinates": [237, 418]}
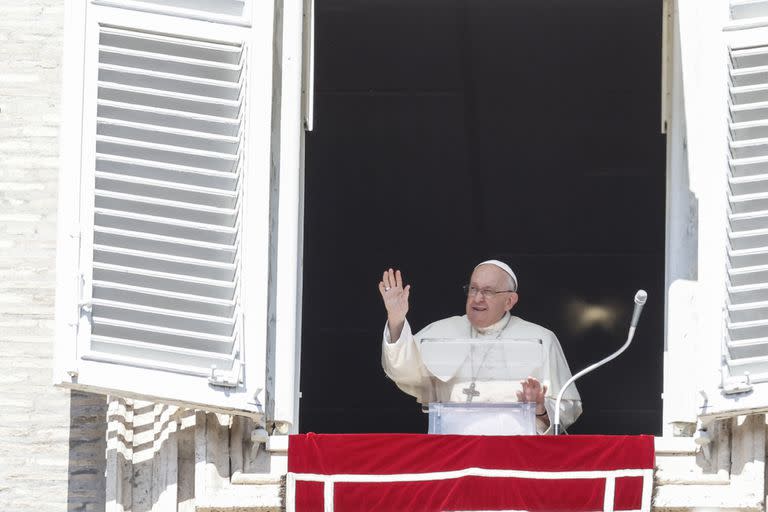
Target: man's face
{"type": "Point", "coordinates": [484, 311]}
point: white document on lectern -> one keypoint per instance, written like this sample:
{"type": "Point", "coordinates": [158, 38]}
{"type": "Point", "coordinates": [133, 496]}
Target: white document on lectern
{"type": "Point", "coordinates": [489, 360]}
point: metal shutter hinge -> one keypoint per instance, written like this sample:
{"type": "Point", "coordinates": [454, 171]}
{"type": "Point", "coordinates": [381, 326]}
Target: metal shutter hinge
{"type": "Point", "coordinates": [736, 385]}
{"type": "Point", "coordinates": [82, 307]}
{"type": "Point", "coordinates": [226, 379]}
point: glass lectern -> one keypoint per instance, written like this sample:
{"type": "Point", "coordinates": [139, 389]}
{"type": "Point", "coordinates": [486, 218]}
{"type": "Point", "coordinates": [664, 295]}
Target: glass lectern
{"type": "Point", "coordinates": [475, 384]}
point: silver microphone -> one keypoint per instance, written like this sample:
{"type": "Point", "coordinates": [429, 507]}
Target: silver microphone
{"type": "Point", "coordinates": [640, 297]}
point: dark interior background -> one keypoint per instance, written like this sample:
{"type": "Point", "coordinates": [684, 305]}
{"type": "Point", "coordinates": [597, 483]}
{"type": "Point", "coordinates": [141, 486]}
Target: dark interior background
{"type": "Point", "coordinates": [451, 131]}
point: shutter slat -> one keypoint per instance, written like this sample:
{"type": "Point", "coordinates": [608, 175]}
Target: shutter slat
{"type": "Point", "coordinates": [755, 366]}
{"type": "Point", "coordinates": [150, 316]}
{"type": "Point", "coordinates": [223, 11]}
{"type": "Point", "coordinates": [167, 154]}
{"type": "Point", "coordinates": [173, 102]}
{"type": "Point", "coordinates": [188, 285]}
{"type": "Point", "coordinates": [187, 124]}
{"type": "Point", "coordinates": [171, 84]}
{"type": "Point", "coordinates": [744, 58]}
{"type": "Point", "coordinates": [212, 225]}
{"type": "Point", "coordinates": [179, 66]}
{"type": "Point", "coordinates": [748, 221]}
{"type": "Point", "coordinates": [749, 112]}
{"type": "Point", "coordinates": [163, 336]}
{"type": "Point", "coordinates": [748, 275]}
{"type": "Point", "coordinates": [163, 299]}
{"type": "Point", "coordinates": [748, 293]}
{"type": "Point", "coordinates": [752, 178]}
{"type": "Point", "coordinates": [749, 94]}
{"type": "Point", "coordinates": [206, 266]}
{"type": "Point", "coordinates": [750, 76]}
{"type": "Point", "coordinates": [749, 203]}
{"type": "Point", "coordinates": [170, 46]}
{"type": "Point", "coordinates": [748, 257]}
{"type": "Point", "coordinates": [176, 139]}
{"type": "Point", "coordinates": [748, 330]}
{"type": "Point", "coordinates": [162, 118]}
{"type": "Point", "coordinates": [166, 226]}
{"type": "Point", "coordinates": [171, 153]}
{"type": "Point", "coordinates": [166, 264]}
{"type": "Point", "coordinates": [749, 240]}
{"type": "Point", "coordinates": [749, 166]}
{"type": "Point", "coordinates": [175, 356]}
{"type": "Point", "coordinates": [144, 362]}
{"type": "Point", "coordinates": [749, 130]}
{"type": "Point", "coordinates": [170, 208]}
{"type": "Point", "coordinates": [230, 66]}
{"type": "Point", "coordinates": [745, 9]}
{"type": "Point", "coordinates": [164, 245]}
{"type": "Point", "coordinates": [749, 148]}
{"type": "Point", "coordinates": [736, 218]}
{"type": "Point", "coordinates": [221, 206]}
{"type": "Point", "coordinates": [166, 172]}
{"type": "Point", "coordinates": [748, 312]}
{"type": "Point", "coordinates": [749, 349]}
{"type": "Point", "coordinates": [171, 97]}
{"type": "Point", "coordinates": [745, 185]}
{"type": "Point", "coordinates": [185, 194]}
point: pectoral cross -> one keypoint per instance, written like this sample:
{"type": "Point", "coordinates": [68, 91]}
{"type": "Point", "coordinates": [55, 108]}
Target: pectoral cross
{"type": "Point", "coordinates": [470, 391]}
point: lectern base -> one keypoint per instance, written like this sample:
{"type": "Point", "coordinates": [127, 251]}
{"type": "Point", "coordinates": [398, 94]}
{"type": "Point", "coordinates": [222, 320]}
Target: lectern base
{"type": "Point", "coordinates": [490, 419]}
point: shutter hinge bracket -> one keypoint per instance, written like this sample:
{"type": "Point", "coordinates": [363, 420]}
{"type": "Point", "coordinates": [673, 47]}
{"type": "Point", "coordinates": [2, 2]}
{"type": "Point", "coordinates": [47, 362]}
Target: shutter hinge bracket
{"type": "Point", "coordinates": [82, 307]}
{"type": "Point", "coordinates": [226, 379]}
{"type": "Point", "coordinates": [737, 385]}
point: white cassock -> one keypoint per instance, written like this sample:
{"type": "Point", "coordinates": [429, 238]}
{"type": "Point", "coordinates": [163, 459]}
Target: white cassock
{"type": "Point", "coordinates": [402, 363]}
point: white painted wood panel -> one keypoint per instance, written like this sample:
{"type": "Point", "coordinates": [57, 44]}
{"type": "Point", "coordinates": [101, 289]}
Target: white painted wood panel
{"type": "Point", "coordinates": [173, 197]}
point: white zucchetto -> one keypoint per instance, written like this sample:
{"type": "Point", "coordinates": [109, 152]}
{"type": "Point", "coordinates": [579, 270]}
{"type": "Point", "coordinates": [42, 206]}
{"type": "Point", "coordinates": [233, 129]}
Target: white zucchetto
{"type": "Point", "coordinates": [503, 266]}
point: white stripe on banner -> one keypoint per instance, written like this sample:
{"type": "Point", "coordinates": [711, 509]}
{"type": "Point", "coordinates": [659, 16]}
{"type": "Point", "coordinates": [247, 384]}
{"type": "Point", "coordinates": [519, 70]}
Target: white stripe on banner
{"type": "Point", "coordinates": [495, 473]}
{"type": "Point", "coordinates": [647, 490]}
{"type": "Point", "coordinates": [608, 501]}
{"type": "Point", "coordinates": [328, 496]}
{"type": "Point", "coordinates": [610, 492]}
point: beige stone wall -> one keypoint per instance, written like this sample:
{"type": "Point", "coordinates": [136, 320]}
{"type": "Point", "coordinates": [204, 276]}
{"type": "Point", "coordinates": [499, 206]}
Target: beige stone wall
{"type": "Point", "coordinates": [44, 464]}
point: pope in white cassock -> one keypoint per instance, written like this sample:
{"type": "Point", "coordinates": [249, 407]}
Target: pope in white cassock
{"type": "Point", "coordinates": [491, 294]}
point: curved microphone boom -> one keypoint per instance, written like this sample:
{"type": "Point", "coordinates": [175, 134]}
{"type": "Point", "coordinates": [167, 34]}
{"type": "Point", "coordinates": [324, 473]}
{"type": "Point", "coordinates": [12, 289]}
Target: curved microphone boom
{"type": "Point", "coordinates": [640, 297]}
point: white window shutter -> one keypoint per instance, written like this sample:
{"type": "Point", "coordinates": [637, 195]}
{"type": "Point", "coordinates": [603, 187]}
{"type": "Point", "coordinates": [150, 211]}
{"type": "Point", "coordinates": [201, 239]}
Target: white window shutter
{"type": "Point", "coordinates": [169, 168]}
{"type": "Point", "coordinates": [725, 80]}
{"type": "Point", "coordinates": [745, 347]}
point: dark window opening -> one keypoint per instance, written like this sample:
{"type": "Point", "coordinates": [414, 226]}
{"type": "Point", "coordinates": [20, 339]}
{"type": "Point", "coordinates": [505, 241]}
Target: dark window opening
{"type": "Point", "coordinates": [448, 132]}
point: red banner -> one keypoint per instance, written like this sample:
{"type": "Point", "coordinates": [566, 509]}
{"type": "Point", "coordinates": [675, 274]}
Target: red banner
{"type": "Point", "coordinates": [414, 472]}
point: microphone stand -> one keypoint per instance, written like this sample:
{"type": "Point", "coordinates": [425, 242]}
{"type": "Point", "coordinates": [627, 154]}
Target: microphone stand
{"type": "Point", "coordinates": [640, 297]}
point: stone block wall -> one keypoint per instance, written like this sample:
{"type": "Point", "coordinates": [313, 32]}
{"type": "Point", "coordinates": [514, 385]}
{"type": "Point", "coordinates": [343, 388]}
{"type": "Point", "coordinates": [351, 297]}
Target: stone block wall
{"type": "Point", "coordinates": [52, 443]}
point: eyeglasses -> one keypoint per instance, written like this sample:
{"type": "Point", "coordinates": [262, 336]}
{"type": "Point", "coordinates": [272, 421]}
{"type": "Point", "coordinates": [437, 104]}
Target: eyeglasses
{"type": "Point", "coordinates": [486, 293]}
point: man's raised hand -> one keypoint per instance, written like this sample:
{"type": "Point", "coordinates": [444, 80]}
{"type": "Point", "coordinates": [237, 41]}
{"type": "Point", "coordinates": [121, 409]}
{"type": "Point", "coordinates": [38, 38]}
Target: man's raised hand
{"type": "Point", "coordinates": [395, 298]}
